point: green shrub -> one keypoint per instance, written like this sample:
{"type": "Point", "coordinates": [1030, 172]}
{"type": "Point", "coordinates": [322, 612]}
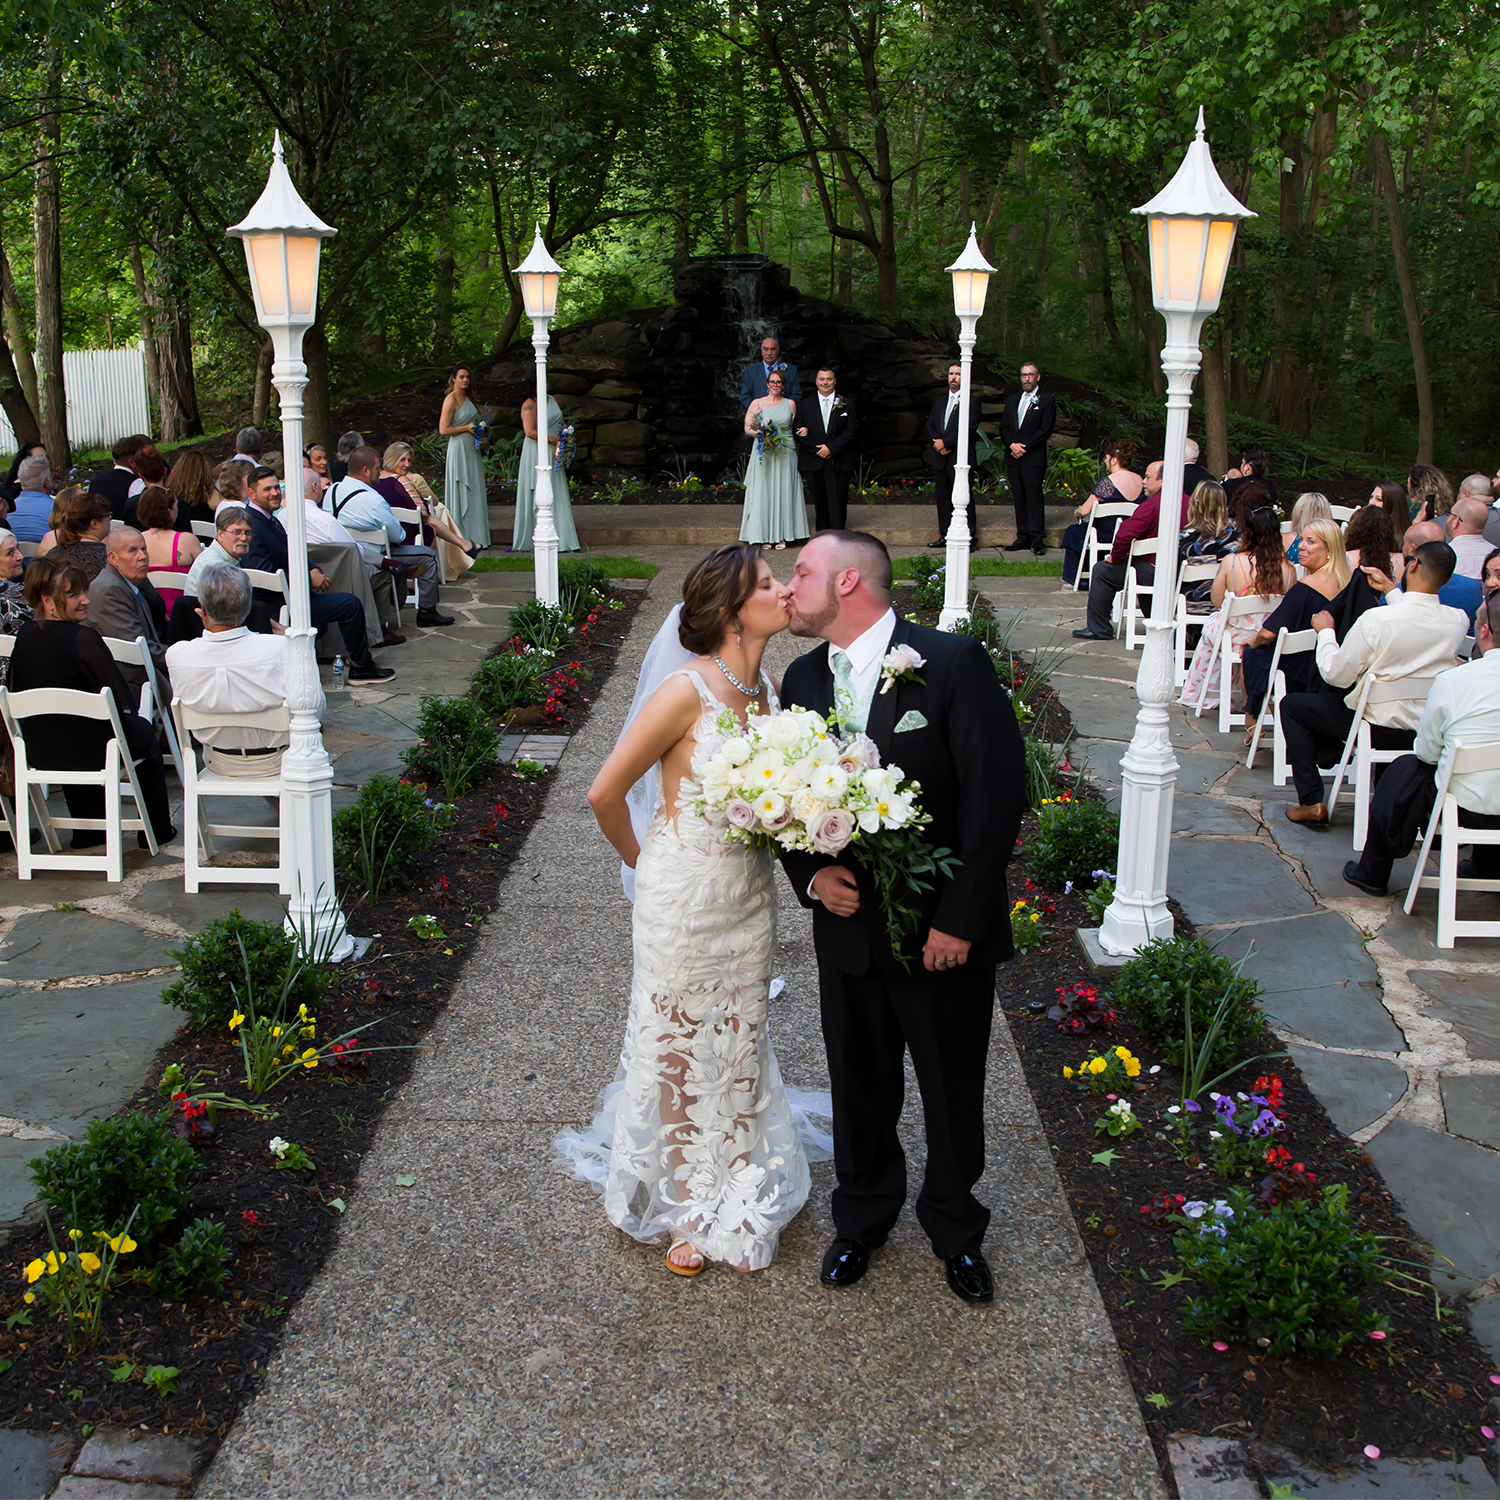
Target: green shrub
{"type": "Point", "coordinates": [199, 1260]}
{"type": "Point", "coordinates": [580, 582]}
{"type": "Point", "coordinates": [930, 577]}
{"type": "Point", "coordinates": [1291, 1274]}
{"type": "Point", "coordinates": [379, 838]}
{"type": "Point", "coordinates": [458, 747]}
{"type": "Point", "coordinates": [123, 1162]}
{"type": "Point", "coordinates": [542, 627]}
{"type": "Point", "coordinates": [1155, 984]}
{"type": "Point", "coordinates": [507, 682]}
{"type": "Point", "coordinates": [1074, 837]}
{"type": "Point", "coordinates": [213, 968]}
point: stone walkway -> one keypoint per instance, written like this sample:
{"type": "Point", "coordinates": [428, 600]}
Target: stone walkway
{"type": "Point", "coordinates": [1399, 1039]}
{"type": "Point", "coordinates": [485, 1331]}
{"type": "Point", "coordinates": [105, 945]}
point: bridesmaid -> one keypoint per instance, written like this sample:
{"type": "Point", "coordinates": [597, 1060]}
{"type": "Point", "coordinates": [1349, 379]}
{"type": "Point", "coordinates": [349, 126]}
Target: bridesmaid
{"type": "Point", "coordinates": [522, 538]}
{"type": "Point", "coordinates": [775, 510]}
{"type": "Point", "coordinates": [465, 492]}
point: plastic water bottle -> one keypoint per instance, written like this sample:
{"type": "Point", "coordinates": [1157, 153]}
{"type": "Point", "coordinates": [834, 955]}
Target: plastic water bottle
{"type": "Point", "coordinates": [338, 674]}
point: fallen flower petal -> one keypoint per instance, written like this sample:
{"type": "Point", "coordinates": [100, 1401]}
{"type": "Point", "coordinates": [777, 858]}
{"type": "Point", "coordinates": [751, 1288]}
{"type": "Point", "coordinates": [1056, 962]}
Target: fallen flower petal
{"type": "Point", "coordinates": [1220, 1345]}
{"type": "Point", "coordinates": [1377, 1333]}
{"type": "Point", "coordinates": [1371, 1451]}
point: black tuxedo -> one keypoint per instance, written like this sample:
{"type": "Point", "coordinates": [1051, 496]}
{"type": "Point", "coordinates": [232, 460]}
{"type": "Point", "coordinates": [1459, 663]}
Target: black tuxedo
{"type": "Point", "coordinates": [269, 554]}
{"type": "Point", "coordinates": [114, 484]}
{"type": "Point", "coordinates": [1026, 474]}
{"type": "Point", "coordinates": [941, 425]}
{"type": "Point", "coordinates": [828, 478]}
{"type": "Point", "coordinates": [970, 761]}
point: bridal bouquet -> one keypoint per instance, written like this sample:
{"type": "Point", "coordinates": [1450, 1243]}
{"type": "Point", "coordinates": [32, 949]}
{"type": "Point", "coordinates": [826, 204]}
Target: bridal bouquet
{"type": "Point", "coordinates": [788, 782]}
{"type": "Point", "coordinates": [770, 438]}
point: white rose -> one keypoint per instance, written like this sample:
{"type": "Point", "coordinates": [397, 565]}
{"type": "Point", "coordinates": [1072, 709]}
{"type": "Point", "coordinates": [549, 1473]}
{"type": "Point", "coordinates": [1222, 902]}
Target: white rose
{"type": "Point", "coordinates": [879, 783]}
{"type": "Point", "coordinates": [806, 805]}
{"type": "Point", "coordinates": [788, 782]}
{"type": "Point", "coordinates": [781, 732]}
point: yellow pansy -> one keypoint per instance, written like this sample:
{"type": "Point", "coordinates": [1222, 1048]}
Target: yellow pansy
{"type": "Point", "coordinates": [75, 1234]}
{"type": "Point", "coordinates": [1123, 1053]}
{"type": "Point", "coordinates": [276, 1031]}
{"type": "Point", "coordinates": [122, 1244]}
{"type": "Point", "coordinates": [237, 1019]}
{"type": "Point", "coordinates": [29, 1297]}
{"type": "Point", "coordinates": [1132, 1069]}
{"type": "Point", "coordinates": [1067, 1072]}
{"type": "Point", "coordinates": [1036, 916]}
{"type": "Point", "coordinates": [302, 1011]}
{"type": "Point", "coordinates": [310, 1058]}
{"type": "Point", "coordinates": [36, 1269]}
{"type": "Point", "coordinates": [89, 1261]}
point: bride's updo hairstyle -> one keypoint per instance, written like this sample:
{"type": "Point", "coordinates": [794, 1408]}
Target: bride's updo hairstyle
{"type": "Point", "coordinates": [713, 593]}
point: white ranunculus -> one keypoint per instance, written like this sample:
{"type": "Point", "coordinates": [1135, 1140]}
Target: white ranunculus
{"type": "Point", "coordinates": [830, 783]}
{"type": "Point", "coordinates": [763, 768]}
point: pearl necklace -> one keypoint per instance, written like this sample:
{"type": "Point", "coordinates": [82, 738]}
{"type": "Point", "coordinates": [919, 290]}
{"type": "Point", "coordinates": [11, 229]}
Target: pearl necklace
{"type": "Point", "coordinates": [734, 681]}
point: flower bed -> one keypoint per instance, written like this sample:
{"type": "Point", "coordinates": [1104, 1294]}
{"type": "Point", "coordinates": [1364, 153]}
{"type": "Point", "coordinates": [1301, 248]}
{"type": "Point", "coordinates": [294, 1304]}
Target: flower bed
{"type": "Point", "coordinates": [172, 1354]}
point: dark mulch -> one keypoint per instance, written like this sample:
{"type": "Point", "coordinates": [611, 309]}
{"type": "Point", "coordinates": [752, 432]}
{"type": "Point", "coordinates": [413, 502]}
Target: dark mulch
{"type": "Point", "coordinates": [1423, 1392]}
{"type": "Point", "coordinates": [221, 1347]}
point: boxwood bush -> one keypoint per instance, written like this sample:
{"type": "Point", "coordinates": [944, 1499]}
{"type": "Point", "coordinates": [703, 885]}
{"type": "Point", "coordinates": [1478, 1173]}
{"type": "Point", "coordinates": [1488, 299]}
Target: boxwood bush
{"type": "Point", "coordinates": [1075, 836]}
{"type": "Point", "coordinates": [213, 969]}
{"type": "Point", "coordinates": [377, 841]}
{"type": "Point", "coordinates": [1154, 985]}
{"type": "Point", "coordinates": [458, 747]}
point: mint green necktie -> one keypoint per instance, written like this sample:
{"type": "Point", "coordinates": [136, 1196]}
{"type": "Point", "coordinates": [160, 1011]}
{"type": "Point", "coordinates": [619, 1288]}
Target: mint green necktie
{"type": "Point", "coordinates": [843, 693]}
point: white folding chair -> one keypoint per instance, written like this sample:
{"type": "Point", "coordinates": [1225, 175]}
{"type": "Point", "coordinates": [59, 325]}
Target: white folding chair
{"type": "Point", "coordinates": [1366, 757]}
{"type": "Point", "coordinates": [205, 530]}
{"type": "Point", "coordinates": [1466, 648]}
{"type": "Point", "coordinates": [28, 549]}
{"type": "Point", "coordinates": [1093, 543]}
{"type": "Point", "coordinates": [165, 578]}
{"type": "Point", "coordinates": [378, 539]}
{"type": "Point", "coordinates": [15, 709]}
{"type": "Point", "coordinates": [199, 832]}
{"type": "Point", "coordinates": [1342, 513]}
{"type": "Point", "coordinates": [1128, 603]}
{"type": "Point", "coordinates": [1189, 575]}
{"type": "Point", "coordinates": [153, 704]}
{"type": "Point", "coordinates": [1226, 655]}
{"type": "Point", "coordinates": [410, 516]}
{"type": "Point", "coordinates": [7, 645]}
{"type": "Point", "coordinates": [1288, 643]}
{"type": "Point", "coordinates": [1465, 760]}
{"type": "Point", "coordinates": [275, 583]}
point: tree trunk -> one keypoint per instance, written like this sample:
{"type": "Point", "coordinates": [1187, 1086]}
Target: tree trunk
{"type": "Point", "coordinates": [1144, 317]}
{"type": "Point", "coordinates": [52, 411]}
{"type": "Point", "coordinates": [1215, 410]}
{"type": "Point", "coordinates": [517, 306]}
{"type": "Point", "coordinates": [260, 402]}
{"type": "Point", "coordinates": [20, 342]}
{"type": "Point", "coordinates": [317, 420]}
{"type": "Point", "coordinates": [13, 400]}
{"type": "Point", "coordinates": [1386, 174]}
{"type": "Point", "coordinates": [144, 303]}
{"type": "Point", "coordinates": [179, 388]}
{"type": "Point", "coordinates": [846, 271]}
{"type": "Point", "coordinates": [739, 204]}
{"type": "Point", "coordinates": [442, 326]}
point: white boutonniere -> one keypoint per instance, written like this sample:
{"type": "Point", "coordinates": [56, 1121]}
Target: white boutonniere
{"type": "Point", "coordinates": [838, 405]}
{"type": "Point", "coordinates": [900, 665]}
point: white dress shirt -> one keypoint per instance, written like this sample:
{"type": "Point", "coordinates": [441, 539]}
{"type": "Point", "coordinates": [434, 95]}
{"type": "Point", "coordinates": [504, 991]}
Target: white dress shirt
{"type": "Point", "coordinates": [236, 672]}
{"type": "Point", "coordinates": [1415, 635]}
{"type": "Point", "coordinates": [1470, 549]}
{"type": "Point", "coordinates": [865, 656]}
{"type": "Point", "coordinates": [952, 406]}
{"type": "Point", "coordinates": [322, 529]}
{"type": "Point", "coordinates": [1464, 704]}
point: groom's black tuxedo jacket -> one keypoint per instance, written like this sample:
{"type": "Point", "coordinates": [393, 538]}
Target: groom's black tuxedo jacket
{"type": "Point", "coordinates": [971, 763]}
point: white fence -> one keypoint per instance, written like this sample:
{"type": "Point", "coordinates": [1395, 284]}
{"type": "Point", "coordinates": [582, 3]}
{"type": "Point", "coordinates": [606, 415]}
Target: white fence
{"type": "Point", "coordinates": [106, 391]}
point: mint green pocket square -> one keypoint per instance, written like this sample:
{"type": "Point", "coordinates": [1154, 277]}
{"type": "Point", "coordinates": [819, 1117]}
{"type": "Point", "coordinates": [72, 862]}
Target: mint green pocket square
{"type": "Point", "coordinates": [911, 719]}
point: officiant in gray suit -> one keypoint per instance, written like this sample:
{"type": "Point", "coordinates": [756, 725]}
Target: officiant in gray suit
{"type": "Point", "coordinates": [753, 381]}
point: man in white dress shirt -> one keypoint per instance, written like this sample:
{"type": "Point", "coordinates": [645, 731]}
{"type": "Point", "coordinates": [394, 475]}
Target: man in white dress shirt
{"type": "Point", "coordinates": [1465, 528]}
{"type": "Point", "coordinates": [1414, 635]}
{"type": "Point", "coordinates": [230, 670]}
{"type": "Point", "coordinates": [1464, 704]}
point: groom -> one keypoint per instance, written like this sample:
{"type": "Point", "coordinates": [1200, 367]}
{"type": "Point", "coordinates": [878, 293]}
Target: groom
{"type": "Point", "coordinates": [948, 724]}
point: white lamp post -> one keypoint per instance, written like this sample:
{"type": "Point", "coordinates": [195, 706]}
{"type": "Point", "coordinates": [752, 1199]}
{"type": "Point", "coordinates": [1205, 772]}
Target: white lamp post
{"type": "Point", "coordinates": [283, 239]}
{"type": "Point", "coordinates": [539, 275]}
{"type": "Point", "coordinates": [1192, 227]}
{"type": "Point", "coordinates": [971, 279]}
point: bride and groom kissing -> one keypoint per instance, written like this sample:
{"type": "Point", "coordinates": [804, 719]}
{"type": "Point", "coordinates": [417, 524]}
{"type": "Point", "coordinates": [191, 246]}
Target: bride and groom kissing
{"type": "Point", "coordinates": [696, 1138]}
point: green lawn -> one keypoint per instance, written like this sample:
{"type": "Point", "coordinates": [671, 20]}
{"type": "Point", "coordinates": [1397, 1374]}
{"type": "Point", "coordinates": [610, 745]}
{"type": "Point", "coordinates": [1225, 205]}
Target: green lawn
{"type": "Point", "coordinates": [998, 567]}
{"type": "Point", "coordinates": [615, 567]}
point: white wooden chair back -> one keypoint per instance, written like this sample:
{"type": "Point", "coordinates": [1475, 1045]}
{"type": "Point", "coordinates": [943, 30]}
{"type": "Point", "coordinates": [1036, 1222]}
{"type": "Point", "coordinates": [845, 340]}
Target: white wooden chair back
{"type": "Point", "coordinates": [1129, 603]}
{"type": "Point", "coordinates": [1194, 571]}
{"type": "Point", "coordinates": [1093, 543]}
{"type": "Point", "coordinates": [205, 530]}
{"type": "Point", "coordinates": [1342, 513]}
{"type": "Point", "coordinates": [198, 838]}
{"type": "Point", "coordinates": [153, 704]}
{"type": "Point", "coordinates": [28, 549]}
{"type": "Point", "coordinates": [1465, 760]}
{"type": "Point", "coordinates": [410, 516]}
{"type": "Point", "coordinates": [273, 582]}
{"type": "Point", "coordinates": [15, 709]}
{"type": "Point", "coordinates": [1226, 655]}
{"type": "Point", "coordinates": [1288, 643]}
{"type": "Point", "coordinates": [1466, 648]}
{"type": "Point", "coordinates": [1396, 690]}
{"type": "Point", "coordinates": [166, 578]}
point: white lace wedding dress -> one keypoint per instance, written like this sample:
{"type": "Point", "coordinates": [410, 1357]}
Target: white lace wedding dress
{"type": "Point", "coordinates": [696, 1138]}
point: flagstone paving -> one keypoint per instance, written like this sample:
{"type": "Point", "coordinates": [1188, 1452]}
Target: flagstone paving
{"type": "Point", "coordinates": [1399, 1039]}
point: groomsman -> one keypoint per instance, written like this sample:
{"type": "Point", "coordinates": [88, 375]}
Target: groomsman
{"type": "Point", "coordinates": [1029, 416]}
{"type": "Point", "coordinates": [942, 433]}
{"type": "Point", "coordinates": [753, 381]}
{"type": "Point", "coordinates": [825, 450]}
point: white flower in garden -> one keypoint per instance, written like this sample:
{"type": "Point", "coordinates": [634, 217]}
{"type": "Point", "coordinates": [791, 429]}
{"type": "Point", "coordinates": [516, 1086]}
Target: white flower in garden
{"type": "Point", "coordinates": [1174, 1109]}
{"type": "Point", "coordinates": [279, 1147]}
{"type": "Point", "coordinates": [1194, 1210]}
{"type": "Point", "coordinates": [1216, 1135]}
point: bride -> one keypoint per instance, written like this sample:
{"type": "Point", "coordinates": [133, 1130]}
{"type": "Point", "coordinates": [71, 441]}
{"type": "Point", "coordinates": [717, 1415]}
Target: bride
{"type": "Point", "coordinates": [695, 1138]}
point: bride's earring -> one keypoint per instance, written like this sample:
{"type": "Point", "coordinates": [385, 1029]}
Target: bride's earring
{"type": "Point", "coordinates": [739, 639]}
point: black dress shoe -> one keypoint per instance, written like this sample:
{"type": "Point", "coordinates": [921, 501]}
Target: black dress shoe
{"type": "Point", "coordinates": [937, 546]}
{"type": "Point", "coordinates": [1019, 545]}
{"type": "Point", "coordinates": [1088, 635]}
{"type": "Point", "coordinates": [1039, 551]}
{"type": "Point", "coordinates": [393, 638]}
{"type": "Point", "coordinates": [1352, 875]}
{"type": "Point", "coordinates": [369, 672]}
{"type": "Point", "coordinates": [969, 1277]}
{"type": "Point", "coordinates": [844, 1262]}
{"type": "Point", "coordinates": [431, 618]}
{"type": "Point", "coordinates": [1467, 871]}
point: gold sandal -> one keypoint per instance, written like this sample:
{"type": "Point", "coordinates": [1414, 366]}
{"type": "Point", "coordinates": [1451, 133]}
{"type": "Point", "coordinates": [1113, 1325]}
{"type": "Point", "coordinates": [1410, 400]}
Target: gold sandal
{"type": "Point", "coordinates": [687, 1270]}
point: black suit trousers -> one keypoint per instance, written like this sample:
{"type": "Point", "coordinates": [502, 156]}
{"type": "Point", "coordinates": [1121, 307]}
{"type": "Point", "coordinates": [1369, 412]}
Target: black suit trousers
{"type": "Point", "coordinates": [1400, 806]}
{"type": "Point", "coordinates": [348, 614]}
{"type": "Point", "coordinates": [870, 1020]}
{"type": "Point", "coordinates": [1025, 478]}
{"type": "Point", "coordinates": [88, 801]}
{"type": "Point", "coordinates": [830, 497]}
{"type": "Point", "coordinates": [1316, 726]}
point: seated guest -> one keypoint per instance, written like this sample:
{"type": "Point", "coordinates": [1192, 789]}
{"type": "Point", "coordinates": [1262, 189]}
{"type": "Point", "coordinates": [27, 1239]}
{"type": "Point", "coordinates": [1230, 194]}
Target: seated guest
{"type": "Point", "coordinates": [248, 446]}
{"type": "Point", "coordinates": [191, 485]}
{"type": "Point", "coordinates": [230, 544]}
{"type": "Point", "coordinates": [14, 610]}
{"type": "Point", "coordinates": [150, 468]}
{"type": "Point", "coordinates": [1415, 635]}
{"type": "Point", "coordinates": [338, 465]}
{"type": "Point", "coordinates": [355, 502]}
{"type": "Point", "coordinates": [1390, 496]}
{"type": "Point", "coordinates": [1465, 528]}
{"type": "Point", "coordinates": [32, 505]}
{"type": "Point", "coordinates": [1208, 535]}
{"type": "Point", "coordinates": [353, 568]}
{"type": "Point", "coordinates": [114, 483]}
{"type": "Point", "coordinates": [1428, 493]}
{"type": "Point", "coordinates": [119, 607]}
{"type": "Point", "coordinates": [402, 488]}
{"type": "Point", "coordinates": [268, 553]}
{"type": "Point", "coordinates": [229, 670]}
{"type": "Point", "coordinates": [234, 482]}
{"type": "Point", "coordinates": [79, 538]}
{"type": "Point", "coordinates": [11, 486]}
{"type": "Point", "coordinates": [1460, 591]}
{"type": "Point", "coordinates": [1310, 506]}
{"type": "Point", "coordinates": [1251, 468]}
{"type": "Point", "coordinates": [1489, 580]}
{"type": "Point", "coordinates": [1258, 569]}
{"type": "Point", "coordinates": [1370, 539]}
{"type": "Point", "coordinates": [1464, 704]}
{"type": "Point", "coordinates": [1120, 484]}
{"type": "Point", "coordinates": [314, 473]}
{"type": "Point", "coordinates": [1108, 578]}
{"type": "Point", "coordinates": [57, 649]}
{"type": "Point", "coordinates": [1193, 473]}
{"type": "Point", "coordinates": [168, 549]}
{"type": "Point", "coordinates": [1251, 495]}
{"type": "Point", "coordinates": [1326, 583]}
